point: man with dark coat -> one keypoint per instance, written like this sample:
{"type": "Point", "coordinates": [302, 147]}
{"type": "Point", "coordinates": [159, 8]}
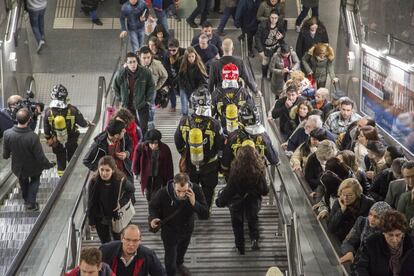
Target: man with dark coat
{"type": "Point", "coordinates": [28, 158]}
{"type": "Point", "coordinates": [216, 67]}
{"type": "Point", "coordinates": [129, 258]}
{"type": "Point", "coordinates": [246, 20]}
{"type": "Point", "coordinates": [153, 161]}
{"type": "Point", "coordinates": [173, 208]}
{"type": "Point", "coordinates": [114, 142]}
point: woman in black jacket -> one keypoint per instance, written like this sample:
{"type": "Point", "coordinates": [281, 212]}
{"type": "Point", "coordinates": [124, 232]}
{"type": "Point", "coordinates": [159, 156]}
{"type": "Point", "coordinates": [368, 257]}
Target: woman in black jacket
{"type": "Point", "coordinates": [351, 204]}
{"type": "Point", "coordinates": [313, 31]}
{"type": "Point", "coordinates": [191, 76]}
{"type": "Point", "coordinates": [243, 194]}
{"type": "Point", "coordinates": [384, 253]}
{"type": "Point", "coordinates": [103, 195]}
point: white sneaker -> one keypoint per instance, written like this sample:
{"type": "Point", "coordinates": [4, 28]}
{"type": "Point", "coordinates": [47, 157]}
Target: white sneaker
{"type": "Point", "coordinates": [39, 48]}
{"type": "Point", "coordinates": [297, 29]}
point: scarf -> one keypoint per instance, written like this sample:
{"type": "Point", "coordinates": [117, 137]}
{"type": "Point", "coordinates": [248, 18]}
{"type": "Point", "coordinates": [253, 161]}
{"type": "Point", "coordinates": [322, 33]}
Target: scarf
{"type": "Point", "coordinates": [394, 262]}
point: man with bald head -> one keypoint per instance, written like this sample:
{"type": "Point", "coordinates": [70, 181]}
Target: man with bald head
{"type": "Point", "coordinates": [216, 66]}
{"type": "Point", "coordinates": [28, 159]}
{"type": "Point", "coordinates": [128, 257]}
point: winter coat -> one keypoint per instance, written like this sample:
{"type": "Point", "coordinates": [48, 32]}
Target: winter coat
{"type": "Point", "coordinates": [243, 18]}
{"type": "Point", "coordinates": [28, 158]}
{"type": "Point", "coordinates": [192, 79]}
{"type": "Point", "coordinates": [165, 203]}
{"type": "Point", "coordinates": [380, 184]}
{"type": "Point", "coordinates": [99, 149]}
{"type": "Point", "coordinates": [326, 108]}
{"type": "Point", "coordinates": [306, 41]}
{"type": "Point", "coordinates": [395, 190]}
{"type": "Point", "coordinates": [145, 262]}
{"type": "Point", "coordinates": [282, 112]}
{"type": "Point", "coordinates": [91, 4]}
{"type": "Point", "coordinates": [298, 158]}
{"type": "Point", "coordinates": [374, 257]}
{"type": "Point", "coordinates": [310, 3]}
{"type": "Point", "coordinates": [265, 9]}
{"type": "Point", "coordinates": [144, 89]}
{"type": "Point", "coordinates": [313, 171]}
{"type": "Point", "coordinates": [173, 68]}
{"type": "Point", "coordinates": [340, 223]}
{"type": "Point", "coordinates": [158, 72]}
{"type": "Point", "coordinates": [215, 40]}
{"type": "Point", "coordinates": [142, 163]}
{"type": "Point", "coordinates": [406, 205]}
{"type": "Point", "coordinates": [105, 271]}
{"type": "Point", "coordinates": [319, 69]}
{"type": "Point", "coordinates": [262, 34]}
{"type": "Point", "coordinates": [276, 66]}
{"type": "Point", "coordinates": [95, 205]}
{"type": "Point", "coordinates": [132, 14]}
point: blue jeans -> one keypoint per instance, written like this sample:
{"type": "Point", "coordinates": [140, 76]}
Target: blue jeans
{"type": "Point", "coordinates": [184, 102]}
{"type": "Point", "coordinates": [225, 17]}
{"type": "Point", "coordinates": [93, 14]}
{"type": "Point", "coordinates": [173, 97]}
{"type": "Point", "coordinates": [304, 12]}
{"type": "Point", "coordinates": [202, 8]}
{"type": "Point", "coordinates": [30, 186]}
{"type": "Point", "coordinates": [136, 37]}
{"type": "Point", "coordinates": [37, 21]}
{"type": "Point", "coordinates": [163, 19]}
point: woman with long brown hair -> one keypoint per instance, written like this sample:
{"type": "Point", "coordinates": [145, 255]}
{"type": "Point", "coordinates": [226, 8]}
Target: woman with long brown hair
{"type": "Point", "coordinates": [103, 195]}
{"type": "Point", "coordinates": [191, 76]}
{"type": "Point", "coordinates": [243, 193]}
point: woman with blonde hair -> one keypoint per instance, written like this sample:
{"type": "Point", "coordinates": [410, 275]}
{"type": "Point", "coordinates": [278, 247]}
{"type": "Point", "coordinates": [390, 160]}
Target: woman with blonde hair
{"type": "Point", "coordinates": [192, 75]}
{"type": "Point", "coordinates": [351, 204]}
{"type": "Point", "coordinates": [318, 64]}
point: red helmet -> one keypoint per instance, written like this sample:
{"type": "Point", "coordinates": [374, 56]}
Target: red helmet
{"type": "Point", "coordinates": [230, 72]}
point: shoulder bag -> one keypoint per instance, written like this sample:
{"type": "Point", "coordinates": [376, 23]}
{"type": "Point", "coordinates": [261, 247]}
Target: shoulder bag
{"type": "Point", "coordinates": [124, 213]}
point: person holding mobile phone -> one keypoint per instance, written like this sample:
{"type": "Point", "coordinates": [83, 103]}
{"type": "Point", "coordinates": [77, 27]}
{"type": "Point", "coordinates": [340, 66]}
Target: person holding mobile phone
{"type": "Point", "coordinates": [135, 13]}
{"type": "Point", "coordinates": [173, 207]}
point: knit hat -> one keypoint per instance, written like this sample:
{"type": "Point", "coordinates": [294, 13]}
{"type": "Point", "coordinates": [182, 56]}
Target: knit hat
{"type": "Point", "coordinates": [153, 135]}
{"type": "Point", "coordinates": [115, 127]}
{"type": "Point", "coordinates": [380, 207]}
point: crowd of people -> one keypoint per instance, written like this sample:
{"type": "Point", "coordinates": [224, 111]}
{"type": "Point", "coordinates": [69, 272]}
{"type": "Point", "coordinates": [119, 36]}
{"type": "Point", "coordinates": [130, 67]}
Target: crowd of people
{"type": "Point", "coordinates": [360, 185]}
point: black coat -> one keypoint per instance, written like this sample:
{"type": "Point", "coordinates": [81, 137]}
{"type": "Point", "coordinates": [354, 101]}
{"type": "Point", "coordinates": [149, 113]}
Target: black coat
{"type": "Point", "coordinates": [99, 149]}
{"type": "Point", "coordinates": [28, 158]}
{"type": "Point", "coordinates": [340, 223]}
{"type": "Point", "coordinates": [245, 17]}
{"type": "Point", "coordinates": [216, 66]}
{"type": "Point", "coordinates": [282, 112]}
{"type": "Point", "coordinates": [305, 41]}
{"type": "Point", "coordinates": [151, 264]}
{"type": "Point", "coordinates": [263, 32]}
{"type": "Point", "coordinates": [95, 206]}
{"type": "Point", "coordinates": [373, 260]}
{"type": "Point", "coordinates": [380, 183]}
{"type": "Point", "coordinates": [165, 204]}
{"type": "Point", "coordinates": [313, 171]}
{"type": "Point", "coordinates": [191, 79]}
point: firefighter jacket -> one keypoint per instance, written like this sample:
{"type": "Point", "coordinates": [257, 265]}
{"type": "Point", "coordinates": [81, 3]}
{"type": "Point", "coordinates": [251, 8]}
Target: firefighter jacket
{"type": "Point", "coordinates": [73, 118]}
{"type": "Point", "coordinates": [222, 97]}
{"type": "Point", "coordinates": [213, 139]}
{"type": "Point", "coordinates": [261, 140]}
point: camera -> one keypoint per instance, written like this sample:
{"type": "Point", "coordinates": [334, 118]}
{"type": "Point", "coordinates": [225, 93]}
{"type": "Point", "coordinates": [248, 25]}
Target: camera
{"type": "Point", "coordinates": [27, 102]}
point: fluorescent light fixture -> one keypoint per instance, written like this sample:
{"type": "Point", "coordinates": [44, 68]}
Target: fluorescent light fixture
{"type": "Point", "coordinates": [372, 51]}
{"type": "Point", "coordinates": [400, 64]}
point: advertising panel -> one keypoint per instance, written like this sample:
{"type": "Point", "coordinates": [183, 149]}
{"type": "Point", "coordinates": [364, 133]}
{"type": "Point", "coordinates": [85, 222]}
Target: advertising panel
{"type": "Point", "coordinates": [387, 95]}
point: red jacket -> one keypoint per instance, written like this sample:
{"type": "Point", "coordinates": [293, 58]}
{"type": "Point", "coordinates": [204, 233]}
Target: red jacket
{"type": "Point", "coordinates": [135, 135]}
{"type": "Point", "coordinates": [142, 163]}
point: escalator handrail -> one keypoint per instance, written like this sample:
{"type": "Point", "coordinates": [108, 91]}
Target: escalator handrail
{"type": "Point", "coordinates": [18, 259]}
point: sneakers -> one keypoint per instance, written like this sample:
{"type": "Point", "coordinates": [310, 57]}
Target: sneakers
{"type": "Point", "coordinates": [33, 207]}
{"type": "Point", "coordinates": [191, 23]}
{"type": "Point", "coordinates": [255, 245]}
{"type": "Point", "coordinates": [40, 46]}
{"type": "Point", "coordinates": [297, 29]}
{"type": "Point", "coordinates": [183, 270]}
{"type": "Point", "coordinates": [97, 21]}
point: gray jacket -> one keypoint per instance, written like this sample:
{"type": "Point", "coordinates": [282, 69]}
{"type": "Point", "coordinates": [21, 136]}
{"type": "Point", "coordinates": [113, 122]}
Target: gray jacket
{"type": "Point", "coordinates": [395, 190]}
{"type": "Point", "coordinates": [36, 5]}
{"type": "Point", "coordinates": [28, 158]}
{"type": "Point", "coordinates": [276, 66]}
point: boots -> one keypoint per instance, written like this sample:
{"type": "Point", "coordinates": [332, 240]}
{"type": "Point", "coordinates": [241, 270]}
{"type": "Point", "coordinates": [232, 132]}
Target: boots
{"type": "Point", "coordinates": [265, 68]}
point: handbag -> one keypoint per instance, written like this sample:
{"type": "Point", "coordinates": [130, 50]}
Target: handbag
{"type": "Point", "coordinates": [124, 214]}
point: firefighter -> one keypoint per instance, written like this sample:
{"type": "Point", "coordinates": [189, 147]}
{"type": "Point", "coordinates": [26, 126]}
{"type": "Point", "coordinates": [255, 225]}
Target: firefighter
{"type": "Point", "coordinates": [199, 138]}
{"type": "Point", "coordinates": [231, 93]}
{"type": "Point", "coordinates": [61, 123]}
{"type": "Point", "coordinates": [250, 132]}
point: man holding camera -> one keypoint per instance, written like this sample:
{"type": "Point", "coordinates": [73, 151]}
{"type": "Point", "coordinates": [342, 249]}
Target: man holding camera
{"type": "Point", "coordinates": [28, 158]}
{"type": "Point", "coordinates": [173, 209]}
{"type": "Point", "coordinates": [14, 103]}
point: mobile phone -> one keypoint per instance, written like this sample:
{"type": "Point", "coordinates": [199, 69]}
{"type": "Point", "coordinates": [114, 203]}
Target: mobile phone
{"type": "Point", "coordinates": [145, 12]}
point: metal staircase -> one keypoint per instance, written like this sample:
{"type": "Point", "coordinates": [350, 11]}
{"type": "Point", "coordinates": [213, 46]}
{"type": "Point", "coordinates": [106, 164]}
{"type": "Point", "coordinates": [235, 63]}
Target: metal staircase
{"type": "Point", "coordinates": [16, 222]}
